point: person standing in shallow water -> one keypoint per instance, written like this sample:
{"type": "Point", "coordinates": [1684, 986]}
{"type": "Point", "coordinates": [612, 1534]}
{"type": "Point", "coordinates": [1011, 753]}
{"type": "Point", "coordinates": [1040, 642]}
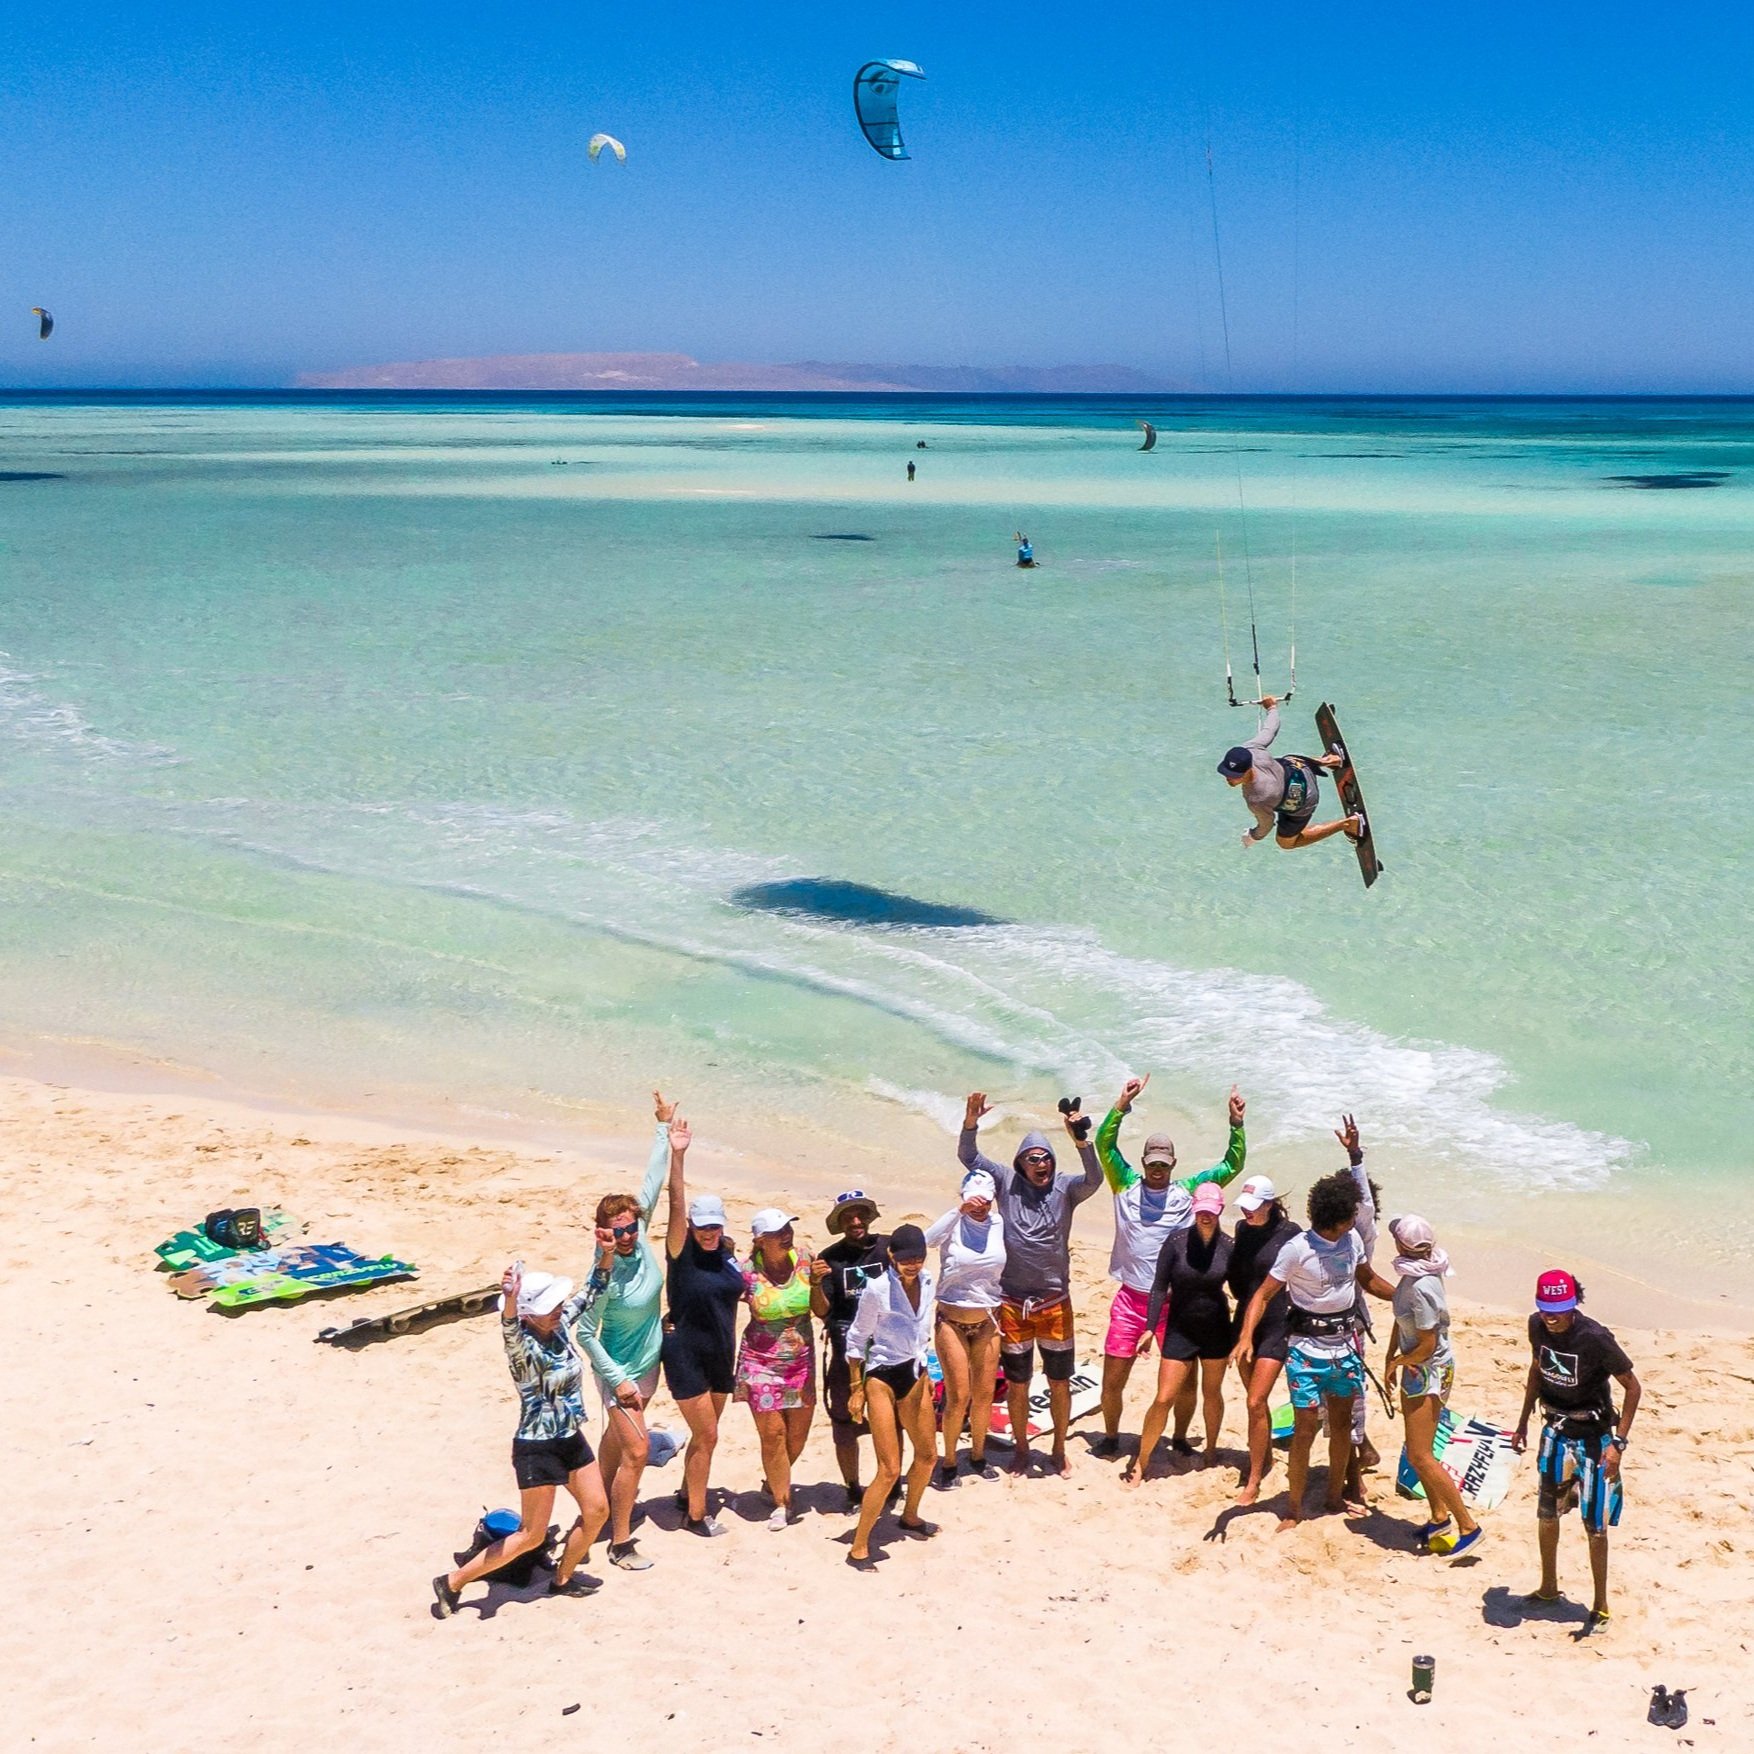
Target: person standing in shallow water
{"type": "Point", "coordinates": [886, 1353]}
{"type": "Point", "coordinates": [1576, 1363]}
{"type": "Point", "coordinates": [910, 471]}
{"type": "Point", "coordinates": [1037, 1205]}
{"type": "Point", "coordinates": [838, 1278]}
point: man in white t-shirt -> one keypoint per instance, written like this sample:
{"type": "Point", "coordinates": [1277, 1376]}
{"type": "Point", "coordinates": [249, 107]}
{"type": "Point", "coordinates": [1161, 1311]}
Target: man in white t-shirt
{"type": "Point", "coordinates": [1321, 1272]}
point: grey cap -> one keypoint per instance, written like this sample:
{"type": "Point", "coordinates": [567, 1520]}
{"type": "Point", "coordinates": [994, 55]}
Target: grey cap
{"type": "Point", "coordinates": [1159, 1148]}
{"type": "Point", "coordinates": [706, 1210]}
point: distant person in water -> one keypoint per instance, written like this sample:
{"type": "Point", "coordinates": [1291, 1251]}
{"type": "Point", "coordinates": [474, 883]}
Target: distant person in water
{"type": "Point", "coordinates": [1281, 791]}
{"type": "Point", "coordinates": [1025, 550]}
{"type": "Point", "coordinates": [910, 471]}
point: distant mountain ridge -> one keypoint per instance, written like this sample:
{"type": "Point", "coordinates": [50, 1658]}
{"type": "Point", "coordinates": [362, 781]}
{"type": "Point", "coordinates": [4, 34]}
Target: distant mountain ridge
{"type": "Point", "coordinates": [677, 371]}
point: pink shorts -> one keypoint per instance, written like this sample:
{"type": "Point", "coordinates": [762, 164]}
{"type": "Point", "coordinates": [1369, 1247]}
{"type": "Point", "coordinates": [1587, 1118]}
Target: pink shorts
{"type": "Point", "coordinates": [1126, 1322]}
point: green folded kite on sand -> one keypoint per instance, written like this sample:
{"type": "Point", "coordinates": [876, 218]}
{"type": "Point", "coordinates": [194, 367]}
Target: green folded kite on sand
{"type": "Point", "coordinates": [189, 1248]}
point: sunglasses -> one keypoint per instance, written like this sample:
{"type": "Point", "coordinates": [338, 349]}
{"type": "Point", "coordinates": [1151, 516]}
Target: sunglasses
{"type": "Point", "coordinates": [621, 1230]}
{"type": "Point", "coordinates": [1038, 1157]}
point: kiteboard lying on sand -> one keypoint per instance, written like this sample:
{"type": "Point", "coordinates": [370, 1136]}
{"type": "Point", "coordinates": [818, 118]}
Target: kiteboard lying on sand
{"type": "Point", "coordinates": [1475, 1453]}
{"type": "Point", "coordinates": [1086, 1398]}
{"type": "Point", "coordinates": [1346, 780]}
{"type": "Point", "coordinates": [408, 1321]}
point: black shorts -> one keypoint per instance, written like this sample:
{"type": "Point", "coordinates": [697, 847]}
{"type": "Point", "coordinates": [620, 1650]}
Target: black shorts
{"type": "Point", "coordinates": [547, 1461]}
{"type": "Point", "coordinates": [1206, 1340]}
{"type": "Point", "coordinates": [1294, 822]}
{"type": "Point", "coordinates": [900, 1378]}
{"type": "Point", "coordinates": [692, 1367]}
{"type": "Point", "coordinates": [1272, 1333]}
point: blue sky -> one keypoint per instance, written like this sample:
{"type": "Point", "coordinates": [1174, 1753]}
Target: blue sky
{"type": "Point", "coordinates": [1545, 196]}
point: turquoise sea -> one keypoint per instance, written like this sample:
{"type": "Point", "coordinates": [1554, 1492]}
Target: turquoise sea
{"type": "Point", "coordinates": [355, 750]}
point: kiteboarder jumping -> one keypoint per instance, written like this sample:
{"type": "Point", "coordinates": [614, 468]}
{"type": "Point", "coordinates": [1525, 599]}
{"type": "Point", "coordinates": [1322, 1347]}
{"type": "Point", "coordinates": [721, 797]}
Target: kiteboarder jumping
{"type": "Point", "coordinates": [1282, 791]}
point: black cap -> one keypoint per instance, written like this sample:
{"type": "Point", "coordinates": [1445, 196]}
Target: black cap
{"type": "Point", "coordinates": [907, 1243]}
{"type": "Point", "coordinates": [1236, 762]}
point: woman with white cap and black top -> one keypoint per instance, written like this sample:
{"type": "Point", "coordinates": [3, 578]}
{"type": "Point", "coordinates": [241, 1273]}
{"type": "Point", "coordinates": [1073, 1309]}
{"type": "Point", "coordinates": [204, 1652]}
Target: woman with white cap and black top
{"type": "Point", "coordinates": [970, 1239]}
{"type": "Point", "coordinates": [886, 1356]}
{"type": "Point", "coordinates": [1265, 1229]}
{"type": "Point", "coordinates": [705, 1285]}
{"type": "Point", "coordinates": [776, 1366]}
{"type": "Point", "coordinates": [536, 1315]}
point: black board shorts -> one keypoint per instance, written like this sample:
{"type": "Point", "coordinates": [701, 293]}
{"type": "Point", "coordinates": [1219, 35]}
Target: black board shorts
{"type": "Point", "coordinates": [1272, 1331]}
{"type": "Point", "coordinates": [697, 1366]}
{"type": "Point", "coordinates": [547, 1461]}
{"type": "Point", "coordinates": [1294, 822]}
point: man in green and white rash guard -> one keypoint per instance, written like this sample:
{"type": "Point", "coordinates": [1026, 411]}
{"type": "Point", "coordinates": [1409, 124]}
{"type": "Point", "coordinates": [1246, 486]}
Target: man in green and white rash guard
{"type": "Point", "coordinates": [1151, 1204]}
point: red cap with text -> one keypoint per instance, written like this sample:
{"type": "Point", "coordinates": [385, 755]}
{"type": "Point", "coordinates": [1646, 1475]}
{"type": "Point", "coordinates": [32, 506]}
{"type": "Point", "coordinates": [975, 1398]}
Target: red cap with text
{"type": "Point", "coordinates": [1555, 1292]}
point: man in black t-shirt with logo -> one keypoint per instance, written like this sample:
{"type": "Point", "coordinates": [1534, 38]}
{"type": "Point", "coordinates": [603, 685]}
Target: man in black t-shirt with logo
{"type": "Point", "coordinates": [1576, 1362]}
{"type": "Point", "coordinates": [838, 1276]}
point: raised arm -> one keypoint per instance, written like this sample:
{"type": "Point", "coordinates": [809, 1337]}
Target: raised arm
{"type": "Point", "coordinates": [1235, 1153]}
{"type": "Point", "coordinates": [1081, 1187]}
{"type": "Point", "coordinates": [968, 1149]}
{"type": "Point", "coordinates": [585, 1312]}
{"type": "Point", "coordinates": [1365, 1222]}
{"type": "Point", "coordinates": [681, 1136]}
{"type": "Point", "coordinates": [1263, 738]}
{"type": "Point", "coordinates": [1119, 1173]}
{"type": "Point", "coordinates": [657, 1161]}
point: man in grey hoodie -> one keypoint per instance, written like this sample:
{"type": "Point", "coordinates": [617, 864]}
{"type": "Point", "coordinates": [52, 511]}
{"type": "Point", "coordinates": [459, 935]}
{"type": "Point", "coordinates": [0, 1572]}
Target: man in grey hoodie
{"type": "Point", "coordinates": [1282, 792]}
{"type": "Point", "coordinates": [1036, 1204]}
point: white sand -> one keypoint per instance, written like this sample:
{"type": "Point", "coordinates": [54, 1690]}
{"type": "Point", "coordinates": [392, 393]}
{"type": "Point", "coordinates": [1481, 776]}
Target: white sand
{"type": "Point", "coordinates": [224, 1532]}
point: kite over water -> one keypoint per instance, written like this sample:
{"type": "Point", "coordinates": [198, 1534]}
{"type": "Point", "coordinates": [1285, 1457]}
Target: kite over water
{"type": "Point", "coordinates": [1150, 433]}
{"type": "Point", "coordinates": [598, 141]}
{"type": "Point", "coordinates": [45, 323]}
{"type": "Point", "coordinates": [874, 103]}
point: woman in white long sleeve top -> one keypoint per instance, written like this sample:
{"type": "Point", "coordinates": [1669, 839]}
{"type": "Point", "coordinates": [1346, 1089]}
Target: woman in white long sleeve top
{"type": "Point", "coordinates": [886, 1362]}
{"type": "Point", "coordinates": [970, 1239]}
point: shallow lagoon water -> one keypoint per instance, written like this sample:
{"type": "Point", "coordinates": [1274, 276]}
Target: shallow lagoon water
{"type": "Point", "coordinates": [351, 744]}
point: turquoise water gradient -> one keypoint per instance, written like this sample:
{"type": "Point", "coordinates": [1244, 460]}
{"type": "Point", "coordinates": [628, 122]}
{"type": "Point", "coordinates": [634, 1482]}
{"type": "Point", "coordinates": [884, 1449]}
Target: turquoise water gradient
{"type": "Point", "coordinates": [350, 744]}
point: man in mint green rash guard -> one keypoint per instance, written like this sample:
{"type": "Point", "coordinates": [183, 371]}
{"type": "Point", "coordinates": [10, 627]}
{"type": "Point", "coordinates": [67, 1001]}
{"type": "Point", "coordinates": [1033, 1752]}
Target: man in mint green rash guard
{"type": "Point", "coordinates": [1151, 1204]}
{"type": "Point", "coordinates": [622, 1335]}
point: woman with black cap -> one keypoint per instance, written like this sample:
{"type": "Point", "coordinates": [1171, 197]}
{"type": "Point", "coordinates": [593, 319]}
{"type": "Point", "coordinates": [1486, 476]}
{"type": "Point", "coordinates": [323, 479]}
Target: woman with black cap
{"type": "Point", "coordinates": [886, 1358]}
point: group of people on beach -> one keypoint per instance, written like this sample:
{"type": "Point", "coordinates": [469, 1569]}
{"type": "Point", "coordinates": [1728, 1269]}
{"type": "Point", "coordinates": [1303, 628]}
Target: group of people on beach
{"type": "Point", "coordinates": [1267, 1297]}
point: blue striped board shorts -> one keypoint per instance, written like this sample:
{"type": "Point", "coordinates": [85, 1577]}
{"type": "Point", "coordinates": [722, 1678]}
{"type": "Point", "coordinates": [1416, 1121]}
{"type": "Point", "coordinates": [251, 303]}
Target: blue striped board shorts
{"type": "Point", "coordinates": [1314, 1374]}
{"type": "Point", "coordinates": [1563, 1461]}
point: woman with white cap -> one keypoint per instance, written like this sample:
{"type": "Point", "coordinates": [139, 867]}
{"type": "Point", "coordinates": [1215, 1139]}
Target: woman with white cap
{"type": "Point", "coordinates": [536, 1314]}
{"type": "Point", "coordinates": [776, 1367]}
{"type": "Point", "coordinates": [1190, 1274]}
{"type": "Point", "coordinates": [705, 1286]}
{"type": "Point", "coordinates": [1420, 1354]}
{"type": "Point", "coordinates": [970, 1239]}
{"type": "Point", "coordinates": [886, 1355]}
{"type": "Point", "coordinates": [1265, 1229]}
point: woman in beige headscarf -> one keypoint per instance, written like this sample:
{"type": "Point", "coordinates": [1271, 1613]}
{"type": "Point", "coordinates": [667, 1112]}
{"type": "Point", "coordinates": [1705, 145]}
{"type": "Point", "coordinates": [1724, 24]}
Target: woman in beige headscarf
{"type": "Point", "coordinates": [1420, 1354]}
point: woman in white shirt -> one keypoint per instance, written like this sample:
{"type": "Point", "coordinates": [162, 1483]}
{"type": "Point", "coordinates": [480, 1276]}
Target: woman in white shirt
{"type": "Point", "coordinates": [891, 1392]}
{"type": "Point", "coordinates": [970, 1240]}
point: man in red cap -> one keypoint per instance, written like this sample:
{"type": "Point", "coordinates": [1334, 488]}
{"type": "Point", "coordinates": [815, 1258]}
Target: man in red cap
{"type": "Point", "coordinates": [1576, 1362]}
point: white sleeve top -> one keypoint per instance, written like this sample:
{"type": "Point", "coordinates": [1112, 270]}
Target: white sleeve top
{"type": "Point", "coordinates": [970, 1259]}
{"type": "Point", "coordinates": [888, 1329]}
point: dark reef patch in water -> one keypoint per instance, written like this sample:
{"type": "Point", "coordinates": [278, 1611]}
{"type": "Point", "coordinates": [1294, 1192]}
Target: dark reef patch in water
{"type": "Point", "coordinates": [854, 904]}
{"type": "Point", "coordinates": [30, 475]}
{"type": "Point", "coordinates": [843, 536]}
{"type": "Point", "coordinates": [1675, 482]}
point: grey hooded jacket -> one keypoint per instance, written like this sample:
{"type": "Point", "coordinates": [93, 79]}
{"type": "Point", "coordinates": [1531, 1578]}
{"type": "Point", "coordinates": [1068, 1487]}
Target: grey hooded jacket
{"type": "Point", "coordinates": [1038, 1221]}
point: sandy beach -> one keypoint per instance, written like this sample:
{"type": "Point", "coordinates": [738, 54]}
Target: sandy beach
{"type": "Point", "coordinates": [226, 1529]}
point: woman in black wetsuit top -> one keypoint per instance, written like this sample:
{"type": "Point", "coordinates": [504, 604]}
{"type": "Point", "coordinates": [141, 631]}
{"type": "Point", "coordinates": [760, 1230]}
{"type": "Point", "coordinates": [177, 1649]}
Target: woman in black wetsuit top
{"type": "Point", "coordinates": [705, 1286]}
{"type": "Point", "coordinates": [1190, 1272]}
{"type": "Point", "coordinates": [1265, 1229]}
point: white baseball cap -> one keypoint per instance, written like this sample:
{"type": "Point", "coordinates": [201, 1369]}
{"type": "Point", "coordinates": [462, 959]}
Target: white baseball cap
{"type": "Point", "coordinates": [770, 1221]}
{"type": "Point", "coordinates": [705, 1211]}
{"type": "Point", "coordinates": [1256, 1192]}
{"type": "Point", "coordinates": [542, 1294]}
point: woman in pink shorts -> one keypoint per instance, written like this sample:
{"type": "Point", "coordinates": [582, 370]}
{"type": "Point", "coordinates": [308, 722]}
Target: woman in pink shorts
{"type": "Point", "coordinates": [776, 1365]}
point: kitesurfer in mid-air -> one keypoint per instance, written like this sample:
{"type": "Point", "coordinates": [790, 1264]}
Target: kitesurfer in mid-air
{"type": "Point", "coordinates": [1282, 791]}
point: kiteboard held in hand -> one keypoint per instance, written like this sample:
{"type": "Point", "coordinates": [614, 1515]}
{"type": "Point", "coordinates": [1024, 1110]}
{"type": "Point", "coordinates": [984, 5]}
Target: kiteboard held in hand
{"type": "Point", "coordinates": [1346, 780]}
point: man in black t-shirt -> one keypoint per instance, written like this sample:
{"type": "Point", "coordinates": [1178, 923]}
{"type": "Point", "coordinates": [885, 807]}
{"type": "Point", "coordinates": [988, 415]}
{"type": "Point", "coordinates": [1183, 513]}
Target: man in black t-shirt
{"type": "Point", "coordinates": [1575, 1365]}
{"type": "Point", "coordinates": [838, 1276]}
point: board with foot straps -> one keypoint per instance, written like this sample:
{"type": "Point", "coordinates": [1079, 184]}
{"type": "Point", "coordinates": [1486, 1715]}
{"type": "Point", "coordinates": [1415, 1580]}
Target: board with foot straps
{"type": "Point", "coordinates": [1351, 798]}
{"type": "Point", "coordinates": [456, 1308]}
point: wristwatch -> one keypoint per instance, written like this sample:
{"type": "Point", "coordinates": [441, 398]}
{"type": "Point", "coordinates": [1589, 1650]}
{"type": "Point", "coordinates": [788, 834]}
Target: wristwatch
{"type": "Point", "coordinates": [1618, 1441]}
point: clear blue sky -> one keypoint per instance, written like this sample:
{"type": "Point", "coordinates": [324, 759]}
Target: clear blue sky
{"type": "Point", "coordinates": [1544, 196]}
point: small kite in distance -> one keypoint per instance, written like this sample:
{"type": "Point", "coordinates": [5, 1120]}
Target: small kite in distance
{"type": "Point", "coordinates": [599, 141]}
{"type": "Point", "coordinates": [45, 323]}
{"type": "Point", "coordinates": [1150, 433]}
{"type": "Point", "coordinates": [874, 103]}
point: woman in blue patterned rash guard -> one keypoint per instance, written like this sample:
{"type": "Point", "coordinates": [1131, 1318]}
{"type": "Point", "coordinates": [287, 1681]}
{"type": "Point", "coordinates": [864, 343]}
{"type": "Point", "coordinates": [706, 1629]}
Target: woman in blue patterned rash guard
{"type": "Point", "coordinates": [537, 1314]}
